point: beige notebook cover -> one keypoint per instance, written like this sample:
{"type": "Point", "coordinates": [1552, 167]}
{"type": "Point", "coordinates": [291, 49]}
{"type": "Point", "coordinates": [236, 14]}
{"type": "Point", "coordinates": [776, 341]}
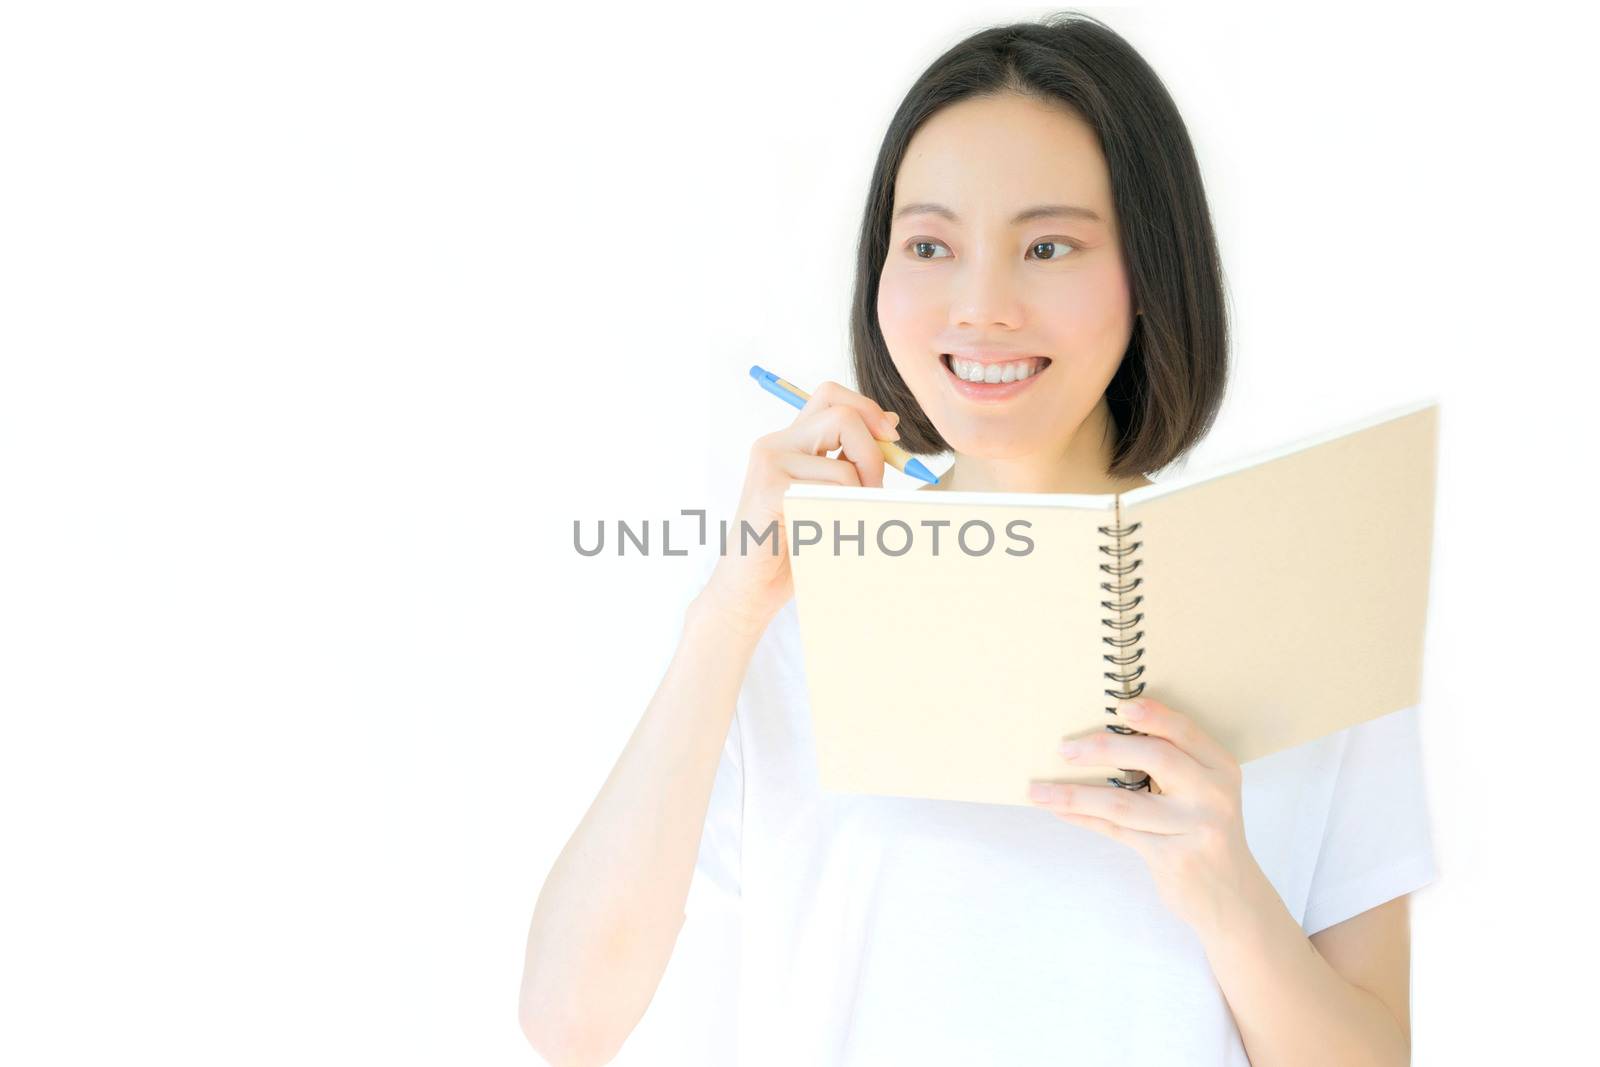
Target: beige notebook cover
{"type": "Point", "coordinates": [951, 646]}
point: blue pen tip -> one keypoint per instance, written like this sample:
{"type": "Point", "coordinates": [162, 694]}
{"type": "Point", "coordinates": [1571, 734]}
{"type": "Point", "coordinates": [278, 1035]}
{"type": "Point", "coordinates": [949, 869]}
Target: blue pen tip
{"type": "Point", "coordinates": [917, 470]}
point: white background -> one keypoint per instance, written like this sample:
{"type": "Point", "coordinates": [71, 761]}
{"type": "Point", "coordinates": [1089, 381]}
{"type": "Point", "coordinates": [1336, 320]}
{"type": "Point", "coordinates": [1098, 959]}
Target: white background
{"type": "Point", "coordinates": [323, 322]}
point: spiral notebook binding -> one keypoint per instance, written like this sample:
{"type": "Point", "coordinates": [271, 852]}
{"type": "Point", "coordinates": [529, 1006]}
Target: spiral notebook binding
{"type": "Point", "coordinates": [1119, 625]}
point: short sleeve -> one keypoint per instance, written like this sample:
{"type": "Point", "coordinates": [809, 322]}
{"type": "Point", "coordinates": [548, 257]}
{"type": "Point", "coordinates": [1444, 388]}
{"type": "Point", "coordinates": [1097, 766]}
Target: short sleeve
{"type": "Point", "coordinates": [1377, 841]}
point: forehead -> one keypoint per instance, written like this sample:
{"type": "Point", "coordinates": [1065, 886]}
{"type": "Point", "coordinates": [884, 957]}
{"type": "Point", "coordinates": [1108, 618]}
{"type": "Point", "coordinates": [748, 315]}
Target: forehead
{"type": "Point", "coordinates": [987, 157]}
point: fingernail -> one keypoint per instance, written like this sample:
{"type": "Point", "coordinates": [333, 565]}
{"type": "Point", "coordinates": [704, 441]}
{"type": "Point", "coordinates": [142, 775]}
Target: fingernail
{"type": "Point", "coordinates": [889, 431]}
{"type": "Point", "coordinates": [1070, 749]}
{"type": "Point", "coordinates": [1135, 710]}
{"type": "Point", "coordinates": [1039, 791]}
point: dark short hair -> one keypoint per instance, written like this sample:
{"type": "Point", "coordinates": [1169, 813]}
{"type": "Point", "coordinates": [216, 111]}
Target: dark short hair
{"type": "Point", "coordinates": [1166, 392]}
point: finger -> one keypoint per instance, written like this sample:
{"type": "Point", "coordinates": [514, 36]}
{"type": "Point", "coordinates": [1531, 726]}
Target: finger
{"type": "Point", "coordinates": [1158, 720]}
{"type": "Point", "coordinates": [841, 427]}
{"type": "Point", "coordinates": [859, 447]}
{"type": "Point", "coordinates": [1134, 839]}
{"type": "Point", "coordinates": [804, 467]}
{"type": "Point", "coordinates": [1155, 756]}
{"type": "Point", "coordinates": [832, 394]}
{"type": "Point", "coordinates": [1124, 807]}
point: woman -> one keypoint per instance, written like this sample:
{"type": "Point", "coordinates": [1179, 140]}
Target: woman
{"type": "Point", "coordinates": [1039, 293]}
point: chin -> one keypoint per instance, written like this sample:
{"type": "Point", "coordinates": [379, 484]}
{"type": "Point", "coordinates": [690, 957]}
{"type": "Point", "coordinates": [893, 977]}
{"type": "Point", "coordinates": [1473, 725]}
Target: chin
{"type": "Point", "coordinates": [995, 443]}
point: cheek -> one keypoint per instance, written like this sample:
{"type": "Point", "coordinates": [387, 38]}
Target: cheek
{"type": "Point", "coordinates": [1096, 309]}
{"type": "Point", "coordinates": [898, 308]}
{"type": "Point", "coordinates": [907, 322]}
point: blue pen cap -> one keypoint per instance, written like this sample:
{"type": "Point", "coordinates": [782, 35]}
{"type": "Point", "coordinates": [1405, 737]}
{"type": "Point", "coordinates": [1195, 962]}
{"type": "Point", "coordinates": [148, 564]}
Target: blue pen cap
{"type": "Point", "coordinates": [770, 383]}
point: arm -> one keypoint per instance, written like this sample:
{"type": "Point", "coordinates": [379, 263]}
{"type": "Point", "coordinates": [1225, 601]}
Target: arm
{"type": "Point", "coordinates": [611, 908]}
{"type": "Point", "coordinates": [1338, 997]}
{"type": "Point", "coordinates": [609, 914]}
{"type": "Point", "coordinates": [1372, 951]}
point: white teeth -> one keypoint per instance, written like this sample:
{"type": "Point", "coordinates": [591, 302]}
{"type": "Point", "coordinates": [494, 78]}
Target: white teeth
{"type": "Point", "coordinates": [994, 373]}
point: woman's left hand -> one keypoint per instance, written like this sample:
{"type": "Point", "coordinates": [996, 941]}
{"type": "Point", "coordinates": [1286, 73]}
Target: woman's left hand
{"type": "Point", "coordinates": [1191, 833]}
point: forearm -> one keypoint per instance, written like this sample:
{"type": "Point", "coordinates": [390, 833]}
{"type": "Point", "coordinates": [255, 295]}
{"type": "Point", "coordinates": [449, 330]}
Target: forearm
{"type": "Point", "coordinates": [1290, 1005]}
{"type": "Point", "coordinates": [608, 916]}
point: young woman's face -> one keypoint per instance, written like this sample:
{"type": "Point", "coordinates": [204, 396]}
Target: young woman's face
{"type": "Point", "coordinates": [983, 285]}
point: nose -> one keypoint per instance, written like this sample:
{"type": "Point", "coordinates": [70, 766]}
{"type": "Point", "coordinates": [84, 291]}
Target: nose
{"type": "Point", "coordinates": [986, 293]}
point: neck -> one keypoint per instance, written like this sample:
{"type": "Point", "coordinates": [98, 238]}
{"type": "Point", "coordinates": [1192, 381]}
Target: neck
{"type": "Point", "coordinates": [1077, 467]}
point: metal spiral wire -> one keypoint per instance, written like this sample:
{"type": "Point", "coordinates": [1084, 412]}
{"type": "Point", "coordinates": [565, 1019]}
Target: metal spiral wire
{"type": "Point", "coordinates": [1128, 651]}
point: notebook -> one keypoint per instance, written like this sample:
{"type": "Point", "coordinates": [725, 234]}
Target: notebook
{"type": "Point", "coordinates": [952, 639]}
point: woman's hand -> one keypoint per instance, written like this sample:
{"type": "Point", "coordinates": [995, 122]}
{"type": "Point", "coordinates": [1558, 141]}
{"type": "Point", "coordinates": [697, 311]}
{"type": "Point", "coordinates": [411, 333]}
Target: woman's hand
{"type": "Point", "coordinates": [750, 583]}
{"type": "Point", "coordinates": [1191, 833]}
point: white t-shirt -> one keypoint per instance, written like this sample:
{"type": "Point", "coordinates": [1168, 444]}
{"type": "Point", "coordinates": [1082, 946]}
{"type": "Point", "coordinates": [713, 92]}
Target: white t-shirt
{"type": "Point", "coordinates": [881, 930]}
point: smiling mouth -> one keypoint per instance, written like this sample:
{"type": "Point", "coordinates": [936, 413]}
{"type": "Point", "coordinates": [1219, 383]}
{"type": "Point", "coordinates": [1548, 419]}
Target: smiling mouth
{"type": "Point", "coordinates": [974, 373]}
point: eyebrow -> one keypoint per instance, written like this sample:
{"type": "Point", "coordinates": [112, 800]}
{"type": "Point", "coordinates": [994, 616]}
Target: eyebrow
{"type": "Point", "coordinates": [1041, 211]}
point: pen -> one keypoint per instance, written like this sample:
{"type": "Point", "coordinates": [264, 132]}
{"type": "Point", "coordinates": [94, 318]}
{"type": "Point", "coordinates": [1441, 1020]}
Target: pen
{"type": "Point", "coordinates": [893, 454]}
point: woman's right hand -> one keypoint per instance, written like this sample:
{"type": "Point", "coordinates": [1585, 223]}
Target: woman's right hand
{"type": "Point", "coordinates": [749, 586]}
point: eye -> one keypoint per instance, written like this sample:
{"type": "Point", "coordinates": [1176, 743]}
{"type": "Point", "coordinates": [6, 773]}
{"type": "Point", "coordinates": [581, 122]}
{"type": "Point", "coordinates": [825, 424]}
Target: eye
{"type": "Point", "coordinates": [1052, 243]}
{"type": "Point", "coordinates": [917, 244]}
